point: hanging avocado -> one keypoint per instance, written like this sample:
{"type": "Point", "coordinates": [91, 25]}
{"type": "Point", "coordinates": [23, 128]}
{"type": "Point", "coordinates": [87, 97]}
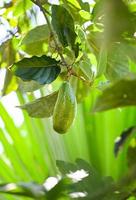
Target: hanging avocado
{"type": "Point", "coordinates": [65, 109]}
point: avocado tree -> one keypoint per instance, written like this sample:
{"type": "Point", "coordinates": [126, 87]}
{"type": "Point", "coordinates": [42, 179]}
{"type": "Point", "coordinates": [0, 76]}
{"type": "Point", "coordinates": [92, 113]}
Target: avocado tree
{"type": "Point", "coordinates": [82, 48]}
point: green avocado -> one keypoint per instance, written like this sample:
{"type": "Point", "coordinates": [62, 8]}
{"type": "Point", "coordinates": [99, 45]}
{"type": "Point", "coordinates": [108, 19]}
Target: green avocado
{"type": "Point", "coordinates": [65, 108]}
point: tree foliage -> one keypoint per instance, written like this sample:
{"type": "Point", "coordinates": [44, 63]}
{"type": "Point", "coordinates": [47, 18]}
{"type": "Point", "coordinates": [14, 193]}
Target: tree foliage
{"type": "Point", "coordinates": [89, 45]}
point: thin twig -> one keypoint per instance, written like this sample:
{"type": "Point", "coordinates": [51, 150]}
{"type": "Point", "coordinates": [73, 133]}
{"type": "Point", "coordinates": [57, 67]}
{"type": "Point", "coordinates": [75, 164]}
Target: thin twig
{"type": "Point", "coordinates": [38, 3]}
{"type": "Point", "coordinates": [34, 1]}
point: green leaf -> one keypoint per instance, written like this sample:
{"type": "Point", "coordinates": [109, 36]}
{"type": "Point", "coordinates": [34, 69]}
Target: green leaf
{"type": "Point", "coordinates": [117, 20]}
{"type": "Point", "coordinates": [42, 107]}
{"type": "Point", "coordinates": [91, 184]}
{"type": "Point", "coordinates": [35, 41]}
{"type": "Point", "coordinates": [38, 34]}
{"type": "Point", "coordinates": [35, 62]}
{"type": "Point", "coordinates": [23, 189]}
{"type": "Point", "coordinates": [74, 3]}
{"type": "Point", "coordinates": [84, 5]}
{"type": "Point", "coordinates": [120, 94]}
{"type": "Point", "coordinates": [28, 86]}
{"type": "Point", "coordinates": [36, 191]}
{"type": "Point", "coordinates": [118, 65]}
{"type": "Point", "coordinates": [129, 49]}
{"type": "Point", "coordinates": [85, 15]}
{"type": "Point", "coordinates": [85, 67]}
{"type": "Point", "coordinates": [81, 89]}
{"type": "Point", "coordinates": [102, 61]}
{"type": "Point", "coordinates": [35, 49]}
{"type": "Point", "coordinates": [42, 69]}
{"type": "Point", "coordinates": [10, 83]}
{"type": "Point", "coordinates": [59, 190]}
{"type": "Point", "coordinates": [7, 53]}
{"type": "Point", "coordinates": [63, 25]}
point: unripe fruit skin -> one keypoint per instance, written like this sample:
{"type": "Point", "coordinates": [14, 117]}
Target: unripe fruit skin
{"type": "Point", "coordinates": [65, 108]}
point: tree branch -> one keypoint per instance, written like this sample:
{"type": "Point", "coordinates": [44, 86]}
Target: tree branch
{"type": "Point", "coordinates": [69, 68]}
{"type": "Point", "coordinates": [38, 3]}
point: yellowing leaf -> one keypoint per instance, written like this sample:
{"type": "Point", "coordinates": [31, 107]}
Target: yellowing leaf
{"type": "Point", "coordinates": [42, 107]}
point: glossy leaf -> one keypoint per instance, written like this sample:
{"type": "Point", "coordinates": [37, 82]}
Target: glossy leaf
{"type": "Point", "coordinates": [42, 107]}
{"type": "Point", "coordinates": [35, 61]}
{"type": "Point", "coordinates": [43, 69]}
{"type": "Point", "coordinates": [63, 25]}
{"type": "Point", "coordinates": [120, 94]}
